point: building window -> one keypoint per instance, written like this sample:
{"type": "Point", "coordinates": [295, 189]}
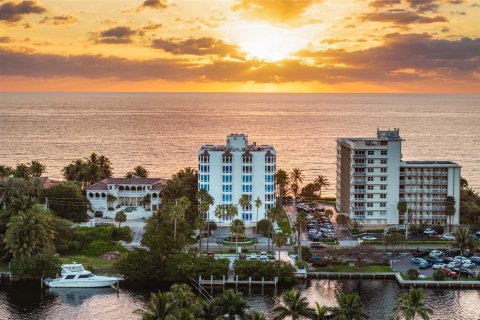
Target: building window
{"type": "Point", "coordinates": [269, 169]}
{"type": "Point", "coordinates": [247, 169]}
{"type": "Point", "coordinates": [369, 204]}
{"type": "Point", "coordinates": [247, 158]}
{"type": "Point", "coordinates": [370, 161]}
{"type": "Point", "coordinates": [269, 188]}
{"type": "Point", "coordinates": [247, 188]}
{"type": "Point", "coordinates": [227, 158]}
{"type": "Point", "coordinates": [370, 196]}
{"type": "Point", "coordinates": [204, 168]}
{"type": "Point", "coordinates": [383, 205]}
{"type": "Point", "coordinates": [247, 179]}
{"type": "Point", "coordinates": [383, 161]}
{"type": "Point", "coordinates": [384, 152]}
{"type": "Point", "coordinates": [383, 178]}
{"type": "Point", "coordinates": [383, 170]}
{"type": "Point", "coordinates": [227, 178]}
{"type": "Point", "coordinates": [383, 187]}
{"type": "Point", "coordinates": [370, 187]}
{"type": "Point", "coordinates": [270, 159]}
{"type": "Point", "coordinates": [204, 186]}
{"type": "Point", "coordinates": [204, 178]}
{"type": "Point", "coordinates": [226, 197]}
{"type": "Point", "coordinates": [227, 188]}
{"type": "Point", "coordinates": [371, 152]}
{"type": "Point", "coordinates": [269, 178]}
{"type": "Point", "coordinates": [369, 178]}
{"type": "Point", "coordinates": [269, 197]}
{"type": "Point", "coordinates": [227, 169]}
{"type": "Point", "coordinates": [383, 196]}
{"type": "Point", "coordinates": [370, 170]}
{"type": "Point", "coordinates": [203, 159]}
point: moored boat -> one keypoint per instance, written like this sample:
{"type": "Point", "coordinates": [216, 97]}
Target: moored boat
{"type": "Point", "coordinates": [75, 276]}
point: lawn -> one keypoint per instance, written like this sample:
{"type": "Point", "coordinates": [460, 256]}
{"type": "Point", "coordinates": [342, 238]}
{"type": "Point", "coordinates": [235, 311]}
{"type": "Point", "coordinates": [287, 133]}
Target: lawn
{"type": "Point", "coordinates": [97, 263]}
{"type": "Point", "coordinates": [347, 268]}
{"type": "Point", "coordinates": [284, 224]}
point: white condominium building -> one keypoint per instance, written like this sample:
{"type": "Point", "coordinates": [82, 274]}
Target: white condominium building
{"type": "Point", "coordinates": [372, 179]}
{"type": "Point", "coordinates": [229, 171]}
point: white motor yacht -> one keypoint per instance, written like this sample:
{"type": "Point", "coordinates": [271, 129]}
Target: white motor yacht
{"type": "Point", "coordinates": [75, 276]}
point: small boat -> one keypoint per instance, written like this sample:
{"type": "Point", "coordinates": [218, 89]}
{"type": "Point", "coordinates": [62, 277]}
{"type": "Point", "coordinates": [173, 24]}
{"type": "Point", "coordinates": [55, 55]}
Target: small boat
{"type": "Point", "coordinates": [75, 276]}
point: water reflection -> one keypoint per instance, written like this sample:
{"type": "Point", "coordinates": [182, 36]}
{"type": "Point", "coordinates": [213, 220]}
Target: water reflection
{"type": "Point", "coordinates": [77, 296]}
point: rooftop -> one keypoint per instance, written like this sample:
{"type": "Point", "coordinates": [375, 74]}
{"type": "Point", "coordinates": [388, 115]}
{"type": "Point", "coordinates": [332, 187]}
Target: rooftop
{"type": "Point", "coordinates": [157, 183]}
{"type": "Point", "coordinates": [432, 163]}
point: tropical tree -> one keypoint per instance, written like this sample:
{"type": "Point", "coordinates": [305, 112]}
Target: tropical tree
{"type": "Point", "coordinates": [220, 212]}
{"type": "Point", "coordinates": [258, 204]}
{"type": "Point", "coordinates": [161, 307]}
{"type": "Point", "coordinates": [342, 220]}
{"type": "Point", "coordinates": [138, 171]}
{"type": "Point", "coordinates": [232, 304]}
{"type": "Point", "coordinates": [281, 181]}
{"type": "Point", "coordinates": [402, 209]}
{"type": "Point", "coordinates": [29, 232]}
{"type": "Point", "coordinates": [308, 191]}
{"type": "Point", "coordinates": [36, 169]}
{"type": "Point", "coordinates": [120, 217]}
{"type": "Point", "coordinates": [205, 200]}
{"type": "Point", "coordinates": [22, 171]}
{"type": "Point", "coordinates": [300, 225]}
{"type": "Point", "coordinates": [103, 163]}
{"type": "Point", "coordinates": [412, 303]}
{"type": "Point", "coordinates": [5, 171]}
{"type": "Point", "coordinates": [463, 183]}
{"type": "Point", "coordinates": [177, 212]}
{"type": "Point", "coordinates": [237, 227]}
{"type": "Point", "coordinates": [321, 182]}
{"type": "Point", "coordinates": [200, 224]}
{"type": "Point", "coordinates": [349, 307]}
{"type": "Point", "coordinates": [463, 239]}
{"type": "Point", "coordinates": [293, 306]}
{"type": "Point", "coordinates": [111, 199]}
{"type": "Point", "coordinates": [208, 311]}
{"type": "Point", "coordinates": [273, 214]}
{"type": "Point", "coordinates": [244, 202]}
{"type": "Point", "coordinates": [320, 312]}
{"type": "Point", "coordinates": [449, 209]}
{"type": "Point", "coordinates": [254, 315]}
{"type": "Point", "coordinates": [279, 240]}
{"type": "Point", "coordinates": [329, 213]}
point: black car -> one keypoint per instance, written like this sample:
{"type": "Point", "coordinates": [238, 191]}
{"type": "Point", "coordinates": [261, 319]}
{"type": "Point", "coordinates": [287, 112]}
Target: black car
{"type": "Point", "coordinates": [434, 260]}
{"type": "Point", "coordinates": [448, 259]}
{"type": "Point", "coordinates": [421, 254]}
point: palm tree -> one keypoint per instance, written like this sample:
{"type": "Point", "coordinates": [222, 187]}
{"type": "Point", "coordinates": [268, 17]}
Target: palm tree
{"type": "Point", "coordinates": [321, 182]}
{"type": "Point", "coordinates": [349, 307]}
{"type": "Point", "coordinates": [208, 311]}
{"type": "Point", "coordinates": [237, 227]}
{"type": "Point", "coordinates": [412, 303]}
{"type": "Point", "coordinates": [254, 315]}
{"type": "Point", "coordinates": [402, 209]}
{"type": "Point", "coordinates": [36, 187]}
{"type": "Point", "coordinates": [29, 232]}
{"type": "Point", "coordinates": [177, 212]}
{"type": "Point", "coordinates": [140, 172]}
{"type": "Point", "coordinates": [329, 213]}
{"type": "Point", "coordinates": [120, 217]}
{"type": "Point", "coordinates": [294, 306]}
{"type": "Point", "coordinates": [279, 240]}
{"type": "Point", "coordinates": [342, 220]}
{"type": "Point", "coordinates": [205, 200]}
{"type": "Point", "coordinates": [463, 183]}
{"type": "Point", "coordinates": [244, 202]}
{"type": "Point", "coordinates": [463, 239]}
{"type": "Point", "coordinates": [231, 303]}
{"type": "Point", "coordinates": [449, 209]}
{"type": "Point", "coordinates": [161, 307]}
{"type": "Point", "coordinates": [200, 224]}
{"type": "Point", "coordinates": [281, 180]}
{"type": "Point", "coordinates": [22, 171]}
{"type": "Point", "coordinates": [258, 204]}
{"type": "Point", "coordinates": [320, 313]}
{"type": "Point", "coordinates": [220, 212]}
{"type": "Point", "coordinates": [8, 190]}
{"type": "Point", "coordinates": [300, 225]}
{"type": "Point", "coordinates": [5, 171]}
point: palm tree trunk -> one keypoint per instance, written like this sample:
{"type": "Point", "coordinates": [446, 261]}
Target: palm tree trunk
{"type": "Point", "coordinates": [175, 230]}
{"type": "Point", "coordinates": [208, 228]}
{"type": "Point", "coordinates": [236, 244]}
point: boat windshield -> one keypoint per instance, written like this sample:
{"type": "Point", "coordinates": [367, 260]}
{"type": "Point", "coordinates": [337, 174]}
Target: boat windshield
{"type": "Point", "coordinates": [88, 275]}
{"type": "Point", "coordinates": [73, 268]}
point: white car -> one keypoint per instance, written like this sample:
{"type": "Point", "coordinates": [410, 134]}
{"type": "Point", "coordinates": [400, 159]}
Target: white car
{"type": "Point", "coordinates": [439, 266]}
{"type": "Point", "coordinates": [461, 259]}
{"type": "Point", "coordinates": [447, 236]}
{"type": "Point", "coordinates": [435, 253]}
{"type": "Point", "coordinates": [429, 231]}
{"type": "Point", "coordinates": [453, 264]}
{"type": "Point", "coordinates": [369, 238]}
{"type": "Point", "coordinates": [469, 265]}
{"type": "Point", "coordinates": [263, 256]}
{"type": "Point", "coordinates": [253, 256]}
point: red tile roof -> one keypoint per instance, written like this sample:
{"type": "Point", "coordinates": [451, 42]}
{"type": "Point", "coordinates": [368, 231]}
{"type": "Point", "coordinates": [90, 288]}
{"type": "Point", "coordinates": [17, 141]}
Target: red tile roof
{"type": "Point", "coordinates": [157, 183]}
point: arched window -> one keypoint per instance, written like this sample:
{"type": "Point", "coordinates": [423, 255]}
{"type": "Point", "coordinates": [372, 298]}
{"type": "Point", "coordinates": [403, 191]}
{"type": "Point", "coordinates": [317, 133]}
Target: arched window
{"type": "Point", "coordinates": [154, 195]}
{"type": "Point", "coordinates": [121, 188]}
{"type": "Point", "coordinates": [127, 188]}
{"type": "Point", "coordinates": [97, 195]}
{"type": "Point", "coordinates": [90, 195]}
{"type": "Point", "coordinates": [103, 195]}
{"type": "Point", "coordinates": [247, 157]}
{"type": "Point", "coordinates": [227, 157]}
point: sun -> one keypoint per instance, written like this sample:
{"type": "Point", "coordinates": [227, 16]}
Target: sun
{"type": "Point", "coordinates": [266, 42]}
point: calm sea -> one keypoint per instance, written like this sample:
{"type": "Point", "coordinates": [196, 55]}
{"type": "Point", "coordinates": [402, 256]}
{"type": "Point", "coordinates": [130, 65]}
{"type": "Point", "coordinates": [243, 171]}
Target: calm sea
{"type": "Point", "coordinates": [163, 131]}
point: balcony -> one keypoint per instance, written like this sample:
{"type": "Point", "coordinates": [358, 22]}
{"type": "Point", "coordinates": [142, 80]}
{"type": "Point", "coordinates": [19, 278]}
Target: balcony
{"type": "Point", "coordinates": [358, 208]}
{"type": "Point", "coordinates": [359, 174]}
{"type": "Point", "coordinates": [359, 165]}
{"type": "Point", "coordinates": [359, 156]}
{"type": "Point", "coordinates": [359, 191]}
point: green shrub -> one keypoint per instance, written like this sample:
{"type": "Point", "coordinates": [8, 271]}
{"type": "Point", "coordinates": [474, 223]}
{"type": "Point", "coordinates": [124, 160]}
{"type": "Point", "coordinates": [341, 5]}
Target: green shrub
{"type": "Point", "coordinates": [386, 262]}
{"type": "Point", "coordinates": [266, 269]}
{"type": "Point", "coordinates": [244, 250]}
{"type": "Point", "coordinates": [412, 274]}
{"type": "Point", "coordinates": [41, 265]}
{"type": "Point", "coordinates": [301, 264]}
{"type": "Point", "coordinates": [124, 233]}
{"type": "Point", "coordinates": [438, 275]}
{"type": "Point", "coordinates": [438, 229]}
{"type": "Point", "coordinates": [231, 250]}
{"type": "Point", "coordinates": [99, 247]}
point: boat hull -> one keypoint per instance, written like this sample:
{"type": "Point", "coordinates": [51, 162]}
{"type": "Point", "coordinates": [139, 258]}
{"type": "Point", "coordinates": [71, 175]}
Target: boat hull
{"type": "Point", "coordinates": [83, 284]}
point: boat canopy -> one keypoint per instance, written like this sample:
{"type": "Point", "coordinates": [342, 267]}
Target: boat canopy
{"type": "Point", "coordinates": [73, 267]}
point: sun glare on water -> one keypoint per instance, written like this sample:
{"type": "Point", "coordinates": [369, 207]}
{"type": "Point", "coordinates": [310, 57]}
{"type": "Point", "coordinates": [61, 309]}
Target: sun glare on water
{"type": "Point", "coordinates": [266, 42]}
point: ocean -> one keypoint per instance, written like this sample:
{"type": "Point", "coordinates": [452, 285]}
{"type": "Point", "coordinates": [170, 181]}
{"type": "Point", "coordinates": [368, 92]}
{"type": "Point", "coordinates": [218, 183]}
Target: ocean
{"type": "Point", "coordinates": [163, 131]}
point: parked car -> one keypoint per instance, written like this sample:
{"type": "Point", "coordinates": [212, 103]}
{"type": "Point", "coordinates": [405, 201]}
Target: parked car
{"type": "Point", "coordinates": [369, 238]}
{"type": "Point", "coordinates": [253, 256]}
{"type": "Point", "coordinates": [461, 259]}
{"type": "Point", "coordinates": [421, 253]}
{"type": "Point", "coordinates": [475, 259]}
{"type": "Point", "coordinates": [465, 272]}
{"type": "Point", "coordinates": [447, 236]}
{"type": "Point", "coordinates": [434, 260]}
{"type": "Point", "coordinates": [417, 260]}
{"type": "Point", "coordinates": [242, 256]}
{"type": "Point", "coordinates": [469, 265]}
{"type": "Point", "coordinates": [263, 256]}
{"type": "Point", "coordinates": [429, 231]}
{"type": "Point", "coordinates": [439, 266]}
{"type": "Point", "coordinates": [448, 272]}
{"type": "Point", "coordinates": [425, 265]}
{"type": "Point", "coordinates": [210, 255]}
{"type": "Point", "coordinates": [453, 264]}
{"type": "Point", "coordinates": [448, 259]}
{"type": "Point", "coordinates": [435, 253]}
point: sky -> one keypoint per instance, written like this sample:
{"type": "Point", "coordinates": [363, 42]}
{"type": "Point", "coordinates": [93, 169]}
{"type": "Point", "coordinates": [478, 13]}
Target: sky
{"type": "Point", "coordinates": [391, 46]}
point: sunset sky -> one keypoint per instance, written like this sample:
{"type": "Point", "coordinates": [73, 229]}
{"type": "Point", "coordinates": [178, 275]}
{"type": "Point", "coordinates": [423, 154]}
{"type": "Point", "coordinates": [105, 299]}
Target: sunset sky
{"type": "Point", "coordinates": [417, 46]}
